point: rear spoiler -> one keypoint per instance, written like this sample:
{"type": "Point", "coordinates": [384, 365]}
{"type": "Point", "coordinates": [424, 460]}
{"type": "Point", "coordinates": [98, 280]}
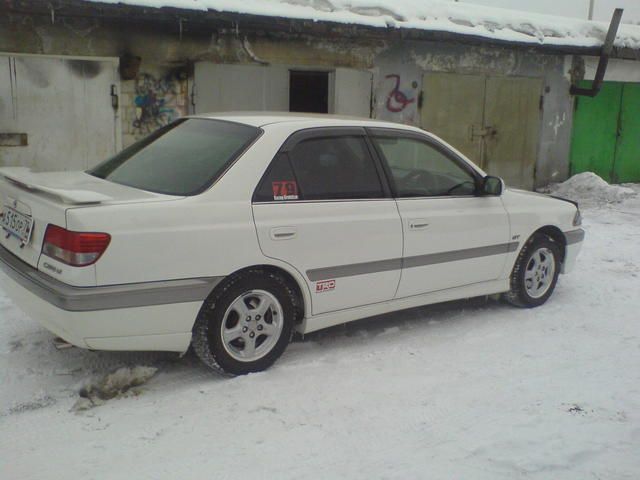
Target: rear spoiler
{"type": "Point", "coordinates": [24, 178]}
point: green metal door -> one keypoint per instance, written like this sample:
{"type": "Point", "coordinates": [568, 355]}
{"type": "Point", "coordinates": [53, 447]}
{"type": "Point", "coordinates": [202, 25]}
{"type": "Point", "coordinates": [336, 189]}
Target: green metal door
{"type": "Point", "coordinates": [595, 130]}
{"type": "Point", "coordinates": [626, 167]}
{"type": "Point", "coordinates": [606, 133]}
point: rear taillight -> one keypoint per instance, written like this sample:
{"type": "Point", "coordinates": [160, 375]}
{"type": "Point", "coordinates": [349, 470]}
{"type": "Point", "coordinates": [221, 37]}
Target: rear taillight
{"type": "Point", "coordinates": [77, 249]}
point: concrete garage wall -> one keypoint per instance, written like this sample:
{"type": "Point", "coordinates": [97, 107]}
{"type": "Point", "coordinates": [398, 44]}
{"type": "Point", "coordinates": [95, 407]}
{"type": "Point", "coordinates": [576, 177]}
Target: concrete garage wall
{"type": "Point", "coordinates": [162, 89]}
{"type": "Point", "coordinates": [617, 70]}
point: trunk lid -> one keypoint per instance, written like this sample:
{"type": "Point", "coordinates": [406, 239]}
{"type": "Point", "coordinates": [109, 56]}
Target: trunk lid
{"type": "Point", "coordinates": [46, 197]}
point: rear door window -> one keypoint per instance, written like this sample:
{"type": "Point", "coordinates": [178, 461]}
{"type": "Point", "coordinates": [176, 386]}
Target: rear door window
{"type": "Point", "coordinates": [322, 168]}
{"type": "Point", "coordinates": [278, 182]}
{"type": "Point", "coordinates": [338, 167]}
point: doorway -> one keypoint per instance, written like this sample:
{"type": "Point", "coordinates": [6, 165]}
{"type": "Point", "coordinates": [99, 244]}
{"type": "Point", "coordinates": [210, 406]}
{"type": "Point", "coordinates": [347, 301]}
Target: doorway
{"type": "Point", "coordinates": [308, 91]}
{"type": "Point", "coordinates": [219, 87]}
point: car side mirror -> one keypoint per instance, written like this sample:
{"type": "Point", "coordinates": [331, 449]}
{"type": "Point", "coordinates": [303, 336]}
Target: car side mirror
{"type": "Point", "coordinates": [491, 186]}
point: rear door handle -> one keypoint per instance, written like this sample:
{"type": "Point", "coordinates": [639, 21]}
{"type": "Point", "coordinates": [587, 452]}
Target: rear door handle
{"type": "Point", "coordinates": [418, 224]}
{"type": "Point", "coordinates": [283, 233]}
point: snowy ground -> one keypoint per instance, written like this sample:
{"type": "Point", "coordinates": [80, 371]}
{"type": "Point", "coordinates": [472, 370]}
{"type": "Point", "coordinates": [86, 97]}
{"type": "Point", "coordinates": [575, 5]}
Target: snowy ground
{"type": "Point", "coordinates": [469, 390]}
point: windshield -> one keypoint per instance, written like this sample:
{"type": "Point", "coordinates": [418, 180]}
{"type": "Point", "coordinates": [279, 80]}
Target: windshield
{"type": "Point", "coordinates": [183, 158]}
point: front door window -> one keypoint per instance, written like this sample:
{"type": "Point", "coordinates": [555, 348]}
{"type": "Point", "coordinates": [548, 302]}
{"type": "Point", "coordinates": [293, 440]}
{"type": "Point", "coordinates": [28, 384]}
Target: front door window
{"type": "Point", "coordinates": [419, 169]}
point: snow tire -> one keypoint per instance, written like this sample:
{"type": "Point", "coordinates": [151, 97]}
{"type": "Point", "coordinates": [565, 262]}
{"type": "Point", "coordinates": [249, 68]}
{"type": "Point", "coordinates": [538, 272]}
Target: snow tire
{"type": "Point", "coordinates": [518, 295]}
{"type": "Point", "coordinates": [207, 339]}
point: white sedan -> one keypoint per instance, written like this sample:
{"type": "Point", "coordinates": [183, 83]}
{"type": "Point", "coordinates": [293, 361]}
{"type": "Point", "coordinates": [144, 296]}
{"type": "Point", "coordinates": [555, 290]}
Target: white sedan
{"type": "Point", "coordinates": [229, 232]}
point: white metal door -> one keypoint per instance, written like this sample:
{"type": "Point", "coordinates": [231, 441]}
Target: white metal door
{"type": "Point", "coordinates": [352, 92]}
{"type": "Point", "coordinates": [222, 87]}
{"type": "Point", "coordinates": [348, 251]}
{"type": "Point", "coordinates": [451, 242]}
{"type": "Point", "coordinates": [451, 236]}
{"type": "Point", "coordinates": [322, 208]}
{"type": "Point", "coordinates": [62, 107]}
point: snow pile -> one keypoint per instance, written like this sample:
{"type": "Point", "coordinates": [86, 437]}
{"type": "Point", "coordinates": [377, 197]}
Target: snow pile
{"type": "Point", "coordinates": [113, 385]}
{"type": "Point", "coordinates": [432, 15]}
{"type": "Point", "coordinates": [589, 189]}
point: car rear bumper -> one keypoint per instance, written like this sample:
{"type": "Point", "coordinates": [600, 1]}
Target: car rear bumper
{"type": "Point", "coordinates": [574, 245]}
{"type": "Point", "coordinates": [140, 316]}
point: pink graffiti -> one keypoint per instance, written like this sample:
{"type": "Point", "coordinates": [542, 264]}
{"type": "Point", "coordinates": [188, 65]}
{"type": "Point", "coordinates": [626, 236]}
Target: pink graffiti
{"type": "Point", "coordinates": [397, 101]}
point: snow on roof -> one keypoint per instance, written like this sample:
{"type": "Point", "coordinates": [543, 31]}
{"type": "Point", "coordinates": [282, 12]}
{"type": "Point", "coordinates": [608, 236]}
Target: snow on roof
{"type": "Point", "coordinates": [430, 15]}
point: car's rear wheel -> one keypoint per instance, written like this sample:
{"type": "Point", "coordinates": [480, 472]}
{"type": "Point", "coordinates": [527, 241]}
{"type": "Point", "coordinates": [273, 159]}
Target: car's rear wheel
{"type": "Point", "coordinates": [535, 272]}
{"type": "Point", "coordinates": [246, 324]}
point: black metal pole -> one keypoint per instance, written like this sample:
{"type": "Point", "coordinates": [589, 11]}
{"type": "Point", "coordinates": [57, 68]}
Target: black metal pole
{"type": "Point", "coordinates": [607, 49]}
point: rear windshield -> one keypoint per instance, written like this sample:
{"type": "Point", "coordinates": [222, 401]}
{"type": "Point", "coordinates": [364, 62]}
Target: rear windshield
{"type": "Point", "coordinates": [183, 158]}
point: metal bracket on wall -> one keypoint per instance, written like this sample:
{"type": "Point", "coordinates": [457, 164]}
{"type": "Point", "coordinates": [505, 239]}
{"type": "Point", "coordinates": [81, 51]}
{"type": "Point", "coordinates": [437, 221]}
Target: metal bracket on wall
{"type": "Point", "coordinates": [607, 48]}
{"type": "Point", "coordinates": [114, 97]}
{"type": "Point", "coordinates": [14, 140]}
{"type": "Point", "coordinates": [482, 132]}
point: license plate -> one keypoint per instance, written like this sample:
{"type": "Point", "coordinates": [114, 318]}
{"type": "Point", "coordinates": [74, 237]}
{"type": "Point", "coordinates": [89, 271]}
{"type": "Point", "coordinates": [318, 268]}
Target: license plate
{"type": "Point", "coordinates": [17, 224]}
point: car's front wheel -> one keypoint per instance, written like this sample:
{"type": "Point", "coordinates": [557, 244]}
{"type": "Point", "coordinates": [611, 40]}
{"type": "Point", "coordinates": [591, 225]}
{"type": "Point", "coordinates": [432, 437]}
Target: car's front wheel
{"type": "Point", "coordinates": [535, 272]}
{"type": "Point", "coordinates": [246, 324]}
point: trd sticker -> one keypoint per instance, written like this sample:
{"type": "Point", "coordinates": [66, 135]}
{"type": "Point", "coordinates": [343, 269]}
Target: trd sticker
{"type": "Point", "coordinates": [285, 190]}
{"type": "Point", "coordinates": [325, 285]}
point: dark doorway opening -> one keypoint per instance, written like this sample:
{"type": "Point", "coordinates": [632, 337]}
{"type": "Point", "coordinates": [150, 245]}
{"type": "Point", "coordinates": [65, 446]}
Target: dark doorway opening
{"type": "Point", "coordinates": [308, 91]}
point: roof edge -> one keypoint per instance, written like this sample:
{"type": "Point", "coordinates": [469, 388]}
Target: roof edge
{"type": "Point", "coordinates": [194, 21]}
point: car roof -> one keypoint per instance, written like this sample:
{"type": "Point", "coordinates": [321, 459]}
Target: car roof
{"type": "Point", "coordinates": [260, 119]}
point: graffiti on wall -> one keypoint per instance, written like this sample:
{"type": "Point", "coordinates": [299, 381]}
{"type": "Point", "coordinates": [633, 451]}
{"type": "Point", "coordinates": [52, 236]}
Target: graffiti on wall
{"type": "Point", "coordinates": [397, 100]}
{"type": "Point", "coordinates": [158, 101]}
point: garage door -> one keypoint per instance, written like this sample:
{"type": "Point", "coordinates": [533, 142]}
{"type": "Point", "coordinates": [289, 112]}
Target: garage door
{"type": "Point", "coordinates": [56, 113]}
{"type": "Point", "coordinates": [493, 120]}
{"type": "Point", "coordinates": [606, 133]}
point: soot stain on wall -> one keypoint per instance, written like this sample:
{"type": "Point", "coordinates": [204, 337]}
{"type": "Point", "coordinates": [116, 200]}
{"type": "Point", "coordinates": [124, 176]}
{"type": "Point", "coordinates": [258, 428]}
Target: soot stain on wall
{"type": "Point", "coordinates": [84, 68]}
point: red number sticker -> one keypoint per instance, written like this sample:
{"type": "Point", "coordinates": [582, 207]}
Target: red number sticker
{"type": "Point", "coordinates": [285, 190]}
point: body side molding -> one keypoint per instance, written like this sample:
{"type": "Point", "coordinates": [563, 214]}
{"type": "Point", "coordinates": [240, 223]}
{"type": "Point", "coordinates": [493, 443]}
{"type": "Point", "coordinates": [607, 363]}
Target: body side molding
{"type": "Point", "coordinates": [84, 299]}
{"type": "Point", "coordinates": [409, 262]}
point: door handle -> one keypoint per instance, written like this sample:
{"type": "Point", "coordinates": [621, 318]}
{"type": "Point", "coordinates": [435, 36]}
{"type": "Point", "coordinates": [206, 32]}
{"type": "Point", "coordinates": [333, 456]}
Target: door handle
{"type": "Point", "coordinates": [283, 233]}
{"type": "Point", "coordinates": [418, 224]}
